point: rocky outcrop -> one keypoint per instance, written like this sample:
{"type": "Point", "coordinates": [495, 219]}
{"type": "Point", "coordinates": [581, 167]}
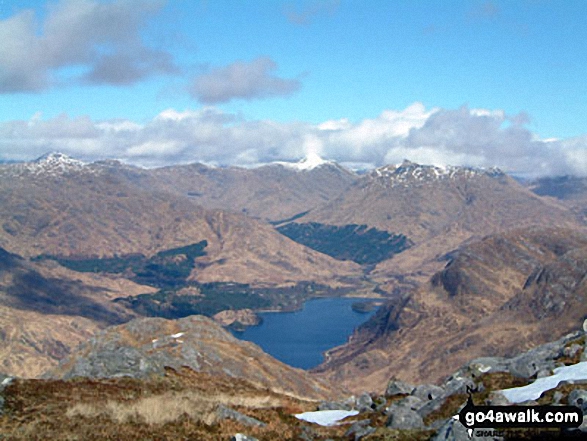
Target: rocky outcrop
{"type": "Point", "coordinates": [146, 346]}
{"type": "Point", "coordinates": [240, 317]}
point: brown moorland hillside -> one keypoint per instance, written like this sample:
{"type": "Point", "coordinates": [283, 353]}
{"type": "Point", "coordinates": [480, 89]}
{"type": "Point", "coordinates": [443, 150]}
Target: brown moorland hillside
{"type": "Point", "coordinates": [495, 297]}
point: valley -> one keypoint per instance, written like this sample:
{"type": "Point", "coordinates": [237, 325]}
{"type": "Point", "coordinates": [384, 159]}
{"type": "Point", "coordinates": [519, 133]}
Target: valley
{"type": "Point", "coordinates": [104, 267]}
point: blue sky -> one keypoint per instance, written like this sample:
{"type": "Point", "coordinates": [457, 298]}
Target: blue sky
{"type": "Point", "coordinates": [152, 82]}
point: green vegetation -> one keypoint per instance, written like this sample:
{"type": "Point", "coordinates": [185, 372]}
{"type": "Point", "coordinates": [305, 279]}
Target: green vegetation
{"type": "Point", "coordinates": [166, 269]}
{"type": "Point", "coordinates": [358, 243]}
{"type": "Point", "coordinates": [177, 297]}
{"type": "Point", "coordinates": [211, 298]}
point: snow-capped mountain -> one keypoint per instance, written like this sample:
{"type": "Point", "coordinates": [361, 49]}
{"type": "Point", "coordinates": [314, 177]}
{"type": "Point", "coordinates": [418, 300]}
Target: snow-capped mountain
{"type": "Point", "coordinates": [444, 204]}
{"type": "Point", "coordinates": [409, 173]}
{"type": "Point", "coordinates": [53, 163]}
{"type": "Point", "coordinates": [310, 162]}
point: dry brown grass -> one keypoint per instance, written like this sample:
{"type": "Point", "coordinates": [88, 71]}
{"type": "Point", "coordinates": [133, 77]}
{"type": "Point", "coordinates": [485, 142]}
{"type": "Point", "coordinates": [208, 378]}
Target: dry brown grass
{"type": "Point", "coordinates": [168, 407]}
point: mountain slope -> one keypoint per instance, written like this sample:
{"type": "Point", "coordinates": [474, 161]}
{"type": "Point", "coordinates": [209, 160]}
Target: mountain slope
{"type": "Point", "coordinates": [147, 346]}
{"type": "Point", "coordinates": [494, 297]}
{"type": "Point", "coordinates": [46, 311]}
{"type": "Point", "coordinates": [62, 207]}
{"type": "Point", "coordinates": [438, 208]}
{"type": "Point", "coordinates": [569, 190]}
{"type": "Point", "coordinates": [273, 192]}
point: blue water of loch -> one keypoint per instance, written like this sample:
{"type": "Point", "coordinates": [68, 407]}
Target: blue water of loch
{"type": "Point", "coordinates": [299, 338]}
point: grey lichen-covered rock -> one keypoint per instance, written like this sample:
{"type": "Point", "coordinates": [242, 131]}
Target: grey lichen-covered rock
{"type": "Point", "coordinates": [540, 358]}
{"type": "Point", "coordinates": [147, 346]}
{"type": "Point", "coordinates": [307, 434]}
{"type": "Point", "coordinates": [360, 429]}
{"type": "Point", "coordinates": [530, 364]}
{"type": "Point", "coordinates": [428, 392]}
{"type": "Point", "coordinates": [364, 403]}
{"type": "Point", "coordinates": [458, 384]}
{"type": "Point", "coordinates": [401, 417]}
{"type": "Point", "coordinates": [572, 350]}
{"type": "Point", "coordinates": [484, 365]}
{"type": "Point", "coordinates": [398, 387]}
{"type": "Point", "coordinates": [379, 404]}
{"type": "Point", "coordinates": [226, 413]}
{"type": "Point", "coordinates": [409, 402]}
{"type": "Point", "coordinates": [241, 437]}
{"type": "Point", "coordinates": [347, 404]}
{"type": "Point", "coordinates": [451, 430]}
{"type": "Point", "coordinates": [578, 397]}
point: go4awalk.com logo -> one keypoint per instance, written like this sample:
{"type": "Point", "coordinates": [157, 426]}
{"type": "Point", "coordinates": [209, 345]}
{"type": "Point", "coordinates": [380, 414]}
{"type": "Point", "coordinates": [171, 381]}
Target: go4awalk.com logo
{"type": "Point", "coordinates": [501, 417]}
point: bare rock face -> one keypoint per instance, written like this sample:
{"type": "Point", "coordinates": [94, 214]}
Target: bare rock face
{"type": "Point", "coordinates": [146, 346]}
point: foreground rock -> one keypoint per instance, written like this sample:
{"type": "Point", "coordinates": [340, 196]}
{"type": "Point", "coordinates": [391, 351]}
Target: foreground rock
{"type": "Point", "coordinates": [146, 346]}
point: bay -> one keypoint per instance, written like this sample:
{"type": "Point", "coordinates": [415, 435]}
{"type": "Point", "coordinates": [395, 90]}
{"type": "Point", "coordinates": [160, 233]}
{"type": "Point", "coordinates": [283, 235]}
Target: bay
{"type": "Point", "coordinates": [299, 338]}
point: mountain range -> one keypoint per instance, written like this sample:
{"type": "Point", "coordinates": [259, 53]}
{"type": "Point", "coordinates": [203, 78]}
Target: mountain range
{"type": "Point", "coordinates": [464, 259]}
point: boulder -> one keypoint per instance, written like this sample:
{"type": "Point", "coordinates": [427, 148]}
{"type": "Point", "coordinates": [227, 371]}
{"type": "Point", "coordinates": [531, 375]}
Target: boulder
{"type": "Point", "coordinates": [428, 392]}
{"type": "Point", "coordinates": [458, 384]}
{"type": "Point", "coordinates": [409, 402]}
{"type": "Point", "coordinates": [484, 365]}
{"type": "Point", "coordinates": [347, 404]}
{"type": "Point", "coordinates": [359, 430]}
{"type": "Point", "coordinates": [401, 417]}
{"type": "Point", "coordinates": [571, 351]}
{"type": "Point", "coordinates": [224, 413]}
{"type": "Point", "coordinates": [364, 403]}
{"type": "Point", "coordinates": [578, 397]}
{"type": "Point", "coordinates": [398, 387]}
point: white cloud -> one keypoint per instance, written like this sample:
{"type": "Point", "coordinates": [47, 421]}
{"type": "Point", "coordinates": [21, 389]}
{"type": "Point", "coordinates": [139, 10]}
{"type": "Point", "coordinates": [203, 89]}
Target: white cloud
{"type": "Point", "coordinates": [461, 136]}
{"type": "Point", "coordinates": [242, 80]}
{"type": "Point", "coordinates": [101, 38]}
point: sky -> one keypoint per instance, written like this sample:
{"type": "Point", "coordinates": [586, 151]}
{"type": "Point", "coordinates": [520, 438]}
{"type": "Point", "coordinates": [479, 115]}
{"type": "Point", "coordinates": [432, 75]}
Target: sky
{"type": "Point", "coordinates": [366, 83]}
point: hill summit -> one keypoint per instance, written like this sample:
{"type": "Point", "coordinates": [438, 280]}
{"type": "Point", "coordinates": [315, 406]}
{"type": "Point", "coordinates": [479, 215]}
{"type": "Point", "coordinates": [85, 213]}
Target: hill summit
{"type": "Point", "coordinates": [410, 173]}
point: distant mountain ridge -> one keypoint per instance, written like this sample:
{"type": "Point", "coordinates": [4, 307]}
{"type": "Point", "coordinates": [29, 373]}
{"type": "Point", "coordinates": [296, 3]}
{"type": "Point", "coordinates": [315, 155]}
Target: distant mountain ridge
{"type": "Point", "coordinates": [437, 208]}
{"type": "Point", "coordinates": [410, 173]}
{"type": "Point", "coordinates": [273, 191]}
{"type": "Point", "coordinates": [63, 207]}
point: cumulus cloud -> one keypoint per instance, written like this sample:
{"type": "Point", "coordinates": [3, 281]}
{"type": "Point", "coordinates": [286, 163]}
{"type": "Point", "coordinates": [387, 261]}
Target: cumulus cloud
{"type": "Point", "coordinates": [244, 80]}
{"type": "Point", "coordinates": [101, 38]}
{"type": "Point", "coordinates": [463, 136]}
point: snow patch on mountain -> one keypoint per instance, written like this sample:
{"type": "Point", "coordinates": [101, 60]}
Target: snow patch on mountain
{"type": "Point", "coordinates": [310, 162]}
{"type": "Point", "coordinates": [54, 163]}
{"type": "Point", "coordinates": [408, 173]}
{"type": "Point", "coordinates": [326, 417]}
{"type": "Point", "coordinates": [533, 391]}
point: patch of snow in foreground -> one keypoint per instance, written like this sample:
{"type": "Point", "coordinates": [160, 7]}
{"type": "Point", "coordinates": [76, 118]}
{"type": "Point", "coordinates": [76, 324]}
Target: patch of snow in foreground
{"type": "Point", "coordinates": [326, 417]}
{"type": "Point", "coordinates": [533, 391]}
